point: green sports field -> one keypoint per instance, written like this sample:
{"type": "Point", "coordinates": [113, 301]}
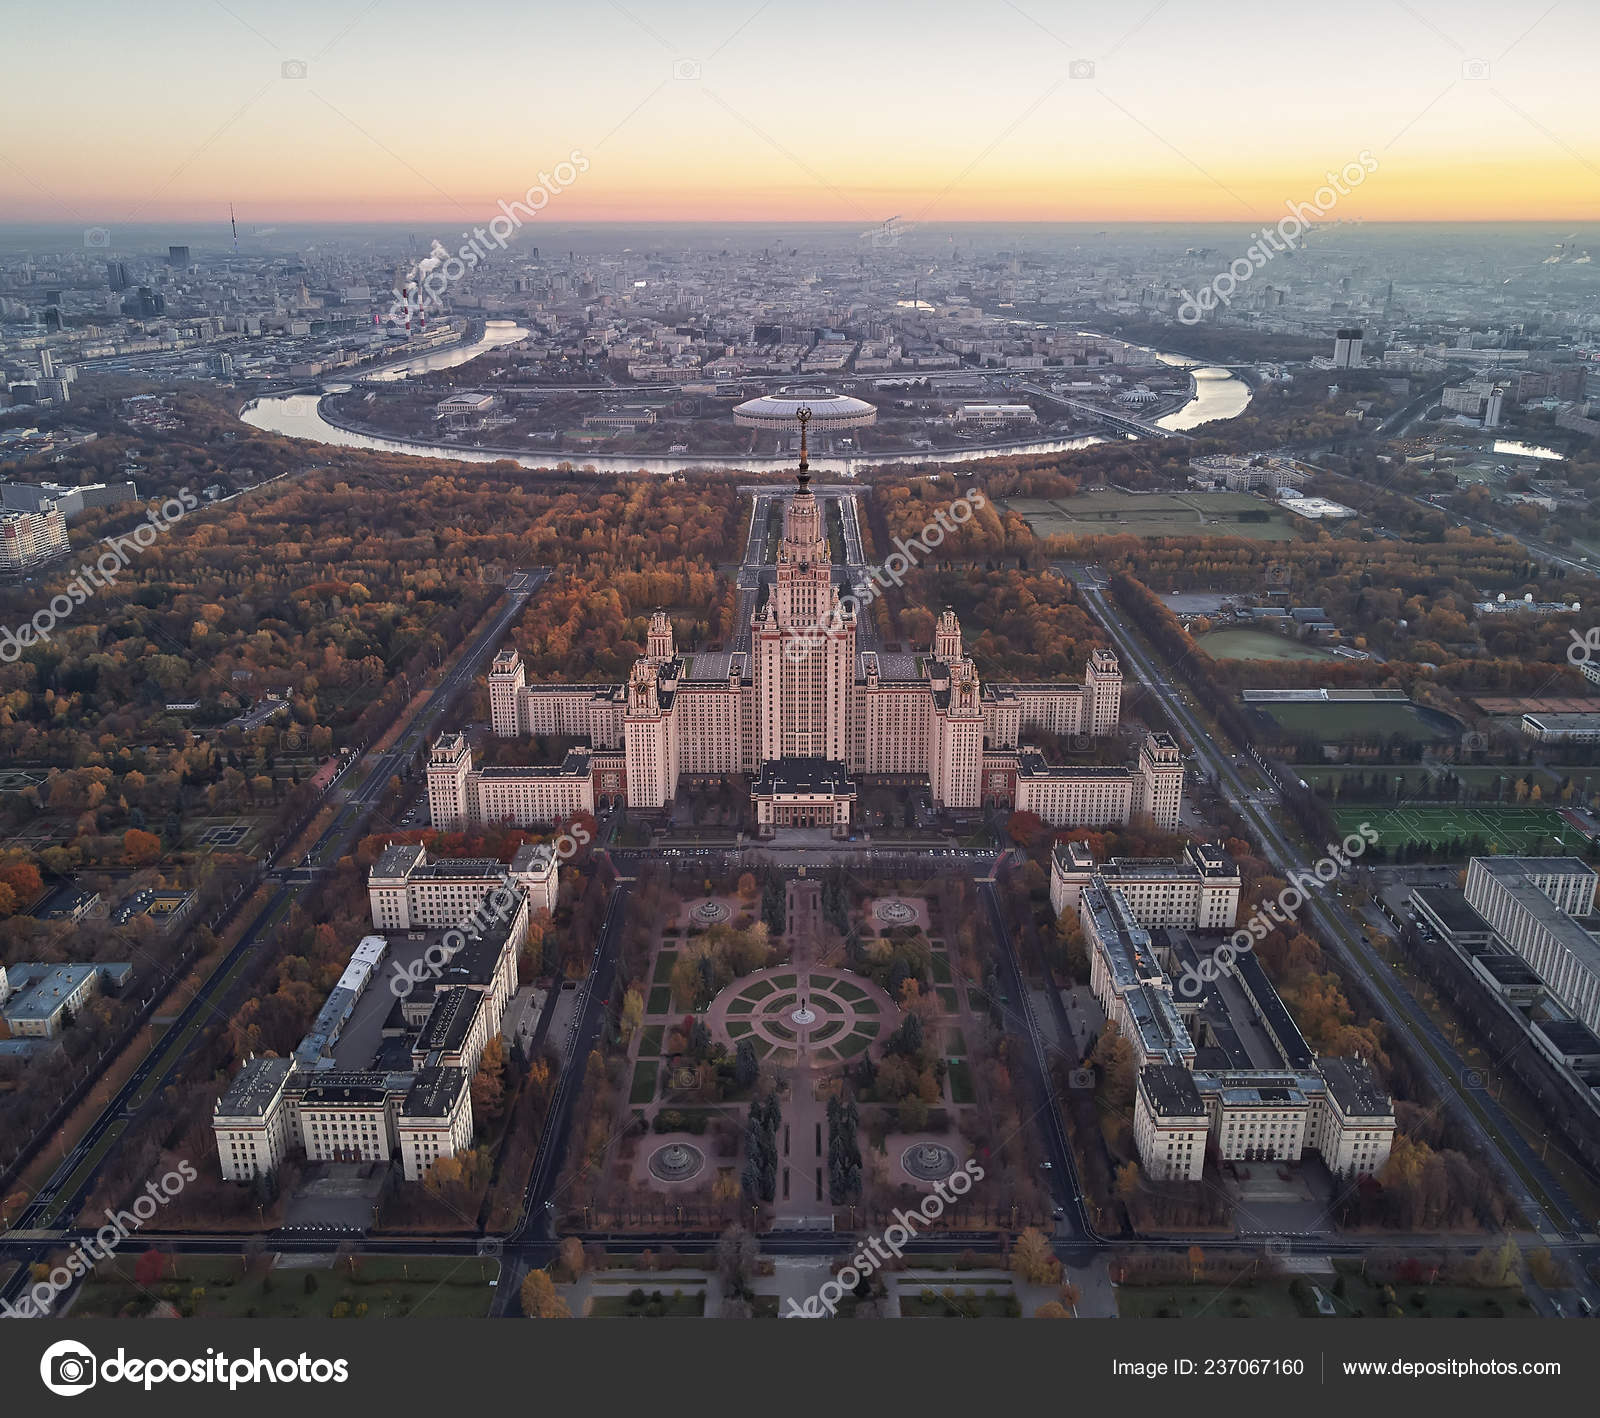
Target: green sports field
{"type": "Point", "coordinates": [1512, 831]}
{"type": "Point", "coordinates": [1342, 722]}
{"type": "Point", "coordinates": [1108, 513]}
{"type": "Point", "coordinates": [1257, 645]}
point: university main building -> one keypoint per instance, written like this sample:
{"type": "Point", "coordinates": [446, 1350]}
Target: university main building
{"type": "Point", "coordinates": [805, 713]}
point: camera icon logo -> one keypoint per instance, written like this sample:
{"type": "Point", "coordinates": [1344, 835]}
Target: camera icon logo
{"type": "Point", "coordinates": [1081, 69]}
{"type": "Point", "coordinates": [67, 1368]}
{"type": "Point", "coordinates": [686, 69]}
{"type": "Point", "coordinates": [1474, 68]}
{"type": "Point", "coordinates": [1474, 742]}
{"type": "Point", "coordinates": [489, 1246]}
{"type": "Point", "coordinates": [1081, 1080]}
{"type": "Point", "coordinates": [96, 237]}
{"type": "Point", "coordinates": [1276, 574]}
{"type": "Point", "coordinates": [293, 69]}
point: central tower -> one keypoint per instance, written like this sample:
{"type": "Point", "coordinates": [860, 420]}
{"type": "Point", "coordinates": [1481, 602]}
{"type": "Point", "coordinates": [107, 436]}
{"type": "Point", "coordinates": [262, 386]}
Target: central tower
{"type": "Point", "coordinates": [804, 640]}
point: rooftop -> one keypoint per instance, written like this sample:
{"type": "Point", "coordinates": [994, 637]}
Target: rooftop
{"type": "Point", "coordinates": [1171, 1091]}
{"type": "Point", "coordinates": [814, 776]}
{"type": "Point", "coordinates": [253, 1088]}
{"type": "Point", "coordinates": [1355, 1088]}
{"type": "Point", "coordinates": [434, 1093]}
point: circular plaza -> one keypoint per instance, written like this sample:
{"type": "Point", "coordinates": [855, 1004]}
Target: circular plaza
{"type": "Point", "coordinates": [834, 1015]}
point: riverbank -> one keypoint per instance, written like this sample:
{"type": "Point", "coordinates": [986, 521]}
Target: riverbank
{"type": "Point", "coordinates": [1216, 394]}
{"type": "Point", "coordinates": [645, 462]}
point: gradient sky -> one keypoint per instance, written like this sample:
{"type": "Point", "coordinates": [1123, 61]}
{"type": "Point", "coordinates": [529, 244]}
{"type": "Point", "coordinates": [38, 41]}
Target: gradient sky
{"type": "Point", "coordinates": [834, 111]}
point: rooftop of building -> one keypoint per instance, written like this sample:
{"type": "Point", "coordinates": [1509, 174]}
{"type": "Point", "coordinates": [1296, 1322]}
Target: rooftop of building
{"type": "Point", "coordinates": [576, 764]}
{"type": "Point", "coordinates": [1031, 764]}
{"type": "Point", "coordinates": [1448, 906]}
{"type": "Point", "coordinates": [1291, 1043]}
{"type": "Point", "coordinates": [434, 1094]}
{"type": "Point", "coordinates": [810, 776]}
{"type": "Point", "coordinates": [533, 859]}
{"type": "Point", "coordinates": [253, 1088]}
{"type": "Point", "coordinates": [1510, 868]}
{"type": "Point", "coordinates": [1508, 969]}
{"type": "Point", "coordinates": [461, 869]}
{"type": "Point", "coordinates": [40, 990]}
{"type": "Point", "coordinates": [450, 1021]}
{"type": "Point", "coordinates": [337, 1091]}
{"type": "Point", "coordinates": [1170, 1091]}
{"type": "Point", "coordinates": [1355, 1088]}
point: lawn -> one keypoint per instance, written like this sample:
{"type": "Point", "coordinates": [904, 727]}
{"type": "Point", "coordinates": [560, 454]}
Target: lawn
{"type": "Point", "coordinates": [1269, 1301]}
{"type": "Point", "coordinates": [961, 1082]}
{"type": "Point", "coordinates": [1517, 831]}
{"type": "Point", "coordinates": [1428, 1301]}
{"type": "Point", "coordinates": [664, 963]}
{"type": "Point", "coordinates": [1158, 514]}
{"type": "Point", "coordinates": [1345, 721]}
{"type": "Point", "coordinates": [213, 1287]}
{"type": "Point", "coordinates": [650, 1040]}
{"type": "Point", "coordinates": [953, 1304]}
{"type": "Point", "coordinates": [948, 1001]}
{"type": "Point", "coordinates": [941, 969]}
{"type": "Point", "coordinates": [1257, 645]}
{"type": "Point", "coordinates": [660, 1001]}
{"type": "Point", "coordinates": [646, 1073]}
{"type": "Point", "coordinates": [654, 1304]}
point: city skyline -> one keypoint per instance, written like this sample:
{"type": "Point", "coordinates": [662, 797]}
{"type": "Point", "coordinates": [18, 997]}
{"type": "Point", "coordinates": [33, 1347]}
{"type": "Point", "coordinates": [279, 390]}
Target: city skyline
{"type": "Point", "coordinates": [724, 114]}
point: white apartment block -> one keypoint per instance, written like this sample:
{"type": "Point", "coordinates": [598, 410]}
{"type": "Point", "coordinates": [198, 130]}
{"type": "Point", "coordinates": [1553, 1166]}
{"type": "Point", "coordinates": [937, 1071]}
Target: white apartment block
{"type": "Point", "coordinates": [1129, 982]}
{"type": "Point", "coordinates": [308, 1106]}
{"type": "Point", "coordinates": [251, 1123]}
{"type": "Point", "coordinates": [806, 699]}
{"type": "Point", "coordinates": [408, 892]}
{"type": "Point", "coordinates": [1170, 1124]}
{"type": "Point", "coordinates": [434, 1121]}
{"type": "Point", "coordinates": [27, 538]}
{"type": "Point", "coordinates": [1197, 891]}
{"type": "Point", "coordinates": [1336, 1108]}
{"type": "Point", "coordinates": [1543, 908]}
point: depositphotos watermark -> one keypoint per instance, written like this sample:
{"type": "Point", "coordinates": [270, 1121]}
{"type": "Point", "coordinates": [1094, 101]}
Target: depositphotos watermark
{"type": "Point", "coordinates": [1272, 240]}
{"type": "Point", "coordinates": [1282, 911]}
{"type": "Point", "coordinates": [86, 1252]}
{"type": "Point", "coordinates": [1585, 647]}
{"type": "Point", "coordinates": [892, 572]}
{"type": "Point", "coordinates": [86, 580]}
{"type": "Point", "coordinates": [432, 276]}
{"type": "Point", "coordinates": [872, 1256]}
{"type": "Point", "coordinates": [496, 908]}
{"type": "Point", "coordinates": [69, 1367]}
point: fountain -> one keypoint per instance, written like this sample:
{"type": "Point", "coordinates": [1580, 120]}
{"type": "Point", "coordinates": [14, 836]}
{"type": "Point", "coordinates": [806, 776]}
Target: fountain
{"type": "Point", "coordinates": [709, 913]}
{"type": "Point", "coordinates": [676, 1162]}
{"type": "Point", "coordinates": [895, 913]}
{"type": "Point", "coordinates": [928, 1161]}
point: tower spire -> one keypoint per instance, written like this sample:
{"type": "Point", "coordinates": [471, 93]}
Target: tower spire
{"type": "Point", "coordinates": [803, 414]}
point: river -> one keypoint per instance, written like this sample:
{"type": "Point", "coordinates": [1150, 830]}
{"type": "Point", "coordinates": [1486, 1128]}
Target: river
{"type": "Point", "coordinates": [1218, 395]}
